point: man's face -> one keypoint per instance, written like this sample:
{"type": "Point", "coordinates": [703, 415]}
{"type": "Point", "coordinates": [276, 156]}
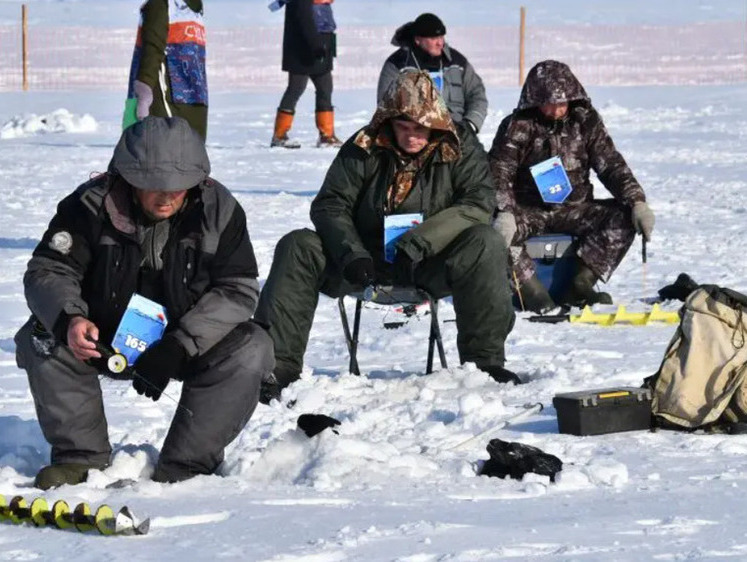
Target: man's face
{"type": "Point", "coordinates": [410, 136]}
{"type": "Point", "coordinates": [159, 205]}
{"type": "Point", "coordinates": [434, 46]}
{"type": "Point", "coordinates": [554, 110]}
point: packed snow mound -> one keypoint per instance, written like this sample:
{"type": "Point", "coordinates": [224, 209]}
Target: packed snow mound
{"type": "Point", "coordinates": [59, 121]}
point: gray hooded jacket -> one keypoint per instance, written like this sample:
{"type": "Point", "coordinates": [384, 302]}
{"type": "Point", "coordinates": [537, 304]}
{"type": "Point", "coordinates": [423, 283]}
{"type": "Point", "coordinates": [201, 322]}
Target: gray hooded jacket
{"type": "Point", "coordinates": [89, 260]}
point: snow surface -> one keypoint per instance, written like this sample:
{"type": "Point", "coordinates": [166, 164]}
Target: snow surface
{"type": "Point", "coordinates": [391, 486]}
{"type": "Point", "coordinates": [59, 121]}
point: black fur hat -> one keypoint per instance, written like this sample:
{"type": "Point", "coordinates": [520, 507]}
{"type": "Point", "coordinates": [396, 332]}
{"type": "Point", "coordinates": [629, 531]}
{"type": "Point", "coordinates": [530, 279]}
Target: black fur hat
{"type": "Point", "coordinates": [428, 25]}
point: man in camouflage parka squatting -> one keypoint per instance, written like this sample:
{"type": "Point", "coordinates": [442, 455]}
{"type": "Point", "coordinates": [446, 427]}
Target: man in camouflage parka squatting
{"type": "Point", "coordinates": [555, 117]}
{"type": "Point", "coordinates": [410, 158]}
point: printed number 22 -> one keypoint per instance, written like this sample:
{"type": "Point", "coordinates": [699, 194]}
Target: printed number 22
{"type": "Point", "coordinates": [135, 343]}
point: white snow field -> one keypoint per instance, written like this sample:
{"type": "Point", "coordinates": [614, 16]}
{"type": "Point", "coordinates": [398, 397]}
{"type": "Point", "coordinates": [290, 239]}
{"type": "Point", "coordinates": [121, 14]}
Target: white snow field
{"type": "Point", "coordinates": [389, 486]}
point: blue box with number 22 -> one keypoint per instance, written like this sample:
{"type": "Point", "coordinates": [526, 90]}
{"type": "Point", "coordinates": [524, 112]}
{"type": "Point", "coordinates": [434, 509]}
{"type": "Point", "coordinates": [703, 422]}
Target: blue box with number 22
{"type": "Point", "coordinates": [552, 181]}
{"type": "Point", "coordinates": [142, 324]}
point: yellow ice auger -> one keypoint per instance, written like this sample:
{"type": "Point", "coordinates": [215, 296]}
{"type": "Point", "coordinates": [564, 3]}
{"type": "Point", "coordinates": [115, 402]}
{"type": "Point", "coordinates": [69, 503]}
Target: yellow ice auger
{"type": "Point", "coordinates": [622, 316]}
{"type": "Point", "coordinates": [82, 519]}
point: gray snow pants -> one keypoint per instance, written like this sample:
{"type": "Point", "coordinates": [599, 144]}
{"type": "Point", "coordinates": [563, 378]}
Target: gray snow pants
{"type": "Point", "coordinates": [472, 269]}
{"type": "Point", "coordinates": [220, 388]}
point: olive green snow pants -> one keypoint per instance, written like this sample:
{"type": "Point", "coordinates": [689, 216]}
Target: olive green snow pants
{"type": "Point", "coordinates": [472, 269]}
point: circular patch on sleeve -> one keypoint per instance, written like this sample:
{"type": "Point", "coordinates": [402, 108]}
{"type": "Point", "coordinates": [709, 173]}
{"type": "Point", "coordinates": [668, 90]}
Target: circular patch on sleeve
{"type": "Point", "coordinates": [62, 242]}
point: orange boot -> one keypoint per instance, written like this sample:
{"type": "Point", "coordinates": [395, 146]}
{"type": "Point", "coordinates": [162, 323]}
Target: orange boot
{"type": "Point", "coordinates": [325, 122]}
{"type": "Point", "coordinates": [283, 122]}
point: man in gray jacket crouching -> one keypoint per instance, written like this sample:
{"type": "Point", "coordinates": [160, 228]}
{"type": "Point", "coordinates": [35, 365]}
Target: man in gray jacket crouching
{"type": "Point", "coordinates": [157, 225]}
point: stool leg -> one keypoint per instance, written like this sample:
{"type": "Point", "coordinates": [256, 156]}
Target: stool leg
{"type": "Point", "coordinates": [356, 330]}
{"type": "Point", "coordinates": [435, 338]}
{"type": "Point", "coordinates": [353, 367]}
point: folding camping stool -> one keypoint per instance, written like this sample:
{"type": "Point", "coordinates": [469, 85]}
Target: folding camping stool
{"type": "Point", "coordinates": [391, 296]}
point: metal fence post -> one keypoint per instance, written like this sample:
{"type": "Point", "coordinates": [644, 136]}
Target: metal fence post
{"type": "Point", "coordinates": [25, 46]}
{"type": "Point", "coordinates": [522, 30]}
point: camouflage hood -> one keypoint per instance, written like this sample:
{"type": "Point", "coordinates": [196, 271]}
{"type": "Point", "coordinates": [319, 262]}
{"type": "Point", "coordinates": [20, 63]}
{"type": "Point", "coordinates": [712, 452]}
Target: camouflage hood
{"type": "Point", "coordinates": [550, 82]}
{"type": "Point", "coordinates": [415, 96]}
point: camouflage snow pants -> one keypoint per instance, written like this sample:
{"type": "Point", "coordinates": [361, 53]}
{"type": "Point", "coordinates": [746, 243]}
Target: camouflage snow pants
{"type": "Point", "coordinates": [604, 228]}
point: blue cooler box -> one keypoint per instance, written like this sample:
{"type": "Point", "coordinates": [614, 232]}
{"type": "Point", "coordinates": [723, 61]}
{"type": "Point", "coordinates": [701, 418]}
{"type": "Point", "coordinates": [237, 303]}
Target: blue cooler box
{"type": "Point", "coordinates": [553, 256]}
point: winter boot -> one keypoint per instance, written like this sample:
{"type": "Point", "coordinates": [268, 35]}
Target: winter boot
{"type": "Point", "coordinates": [325, 122]}
{"type": "Point", "coordinates": [283, 122]}
{"type": "Point", "coordinates": [499, 374]}
{"type": "Point", "coordinates": [533, 296]}
{"type": "Point", "coordinates": [269, 390]}
{"type": "Point", "coordinates": [581, 290]}
{"type": "Point", "coordinates": [56, 475]}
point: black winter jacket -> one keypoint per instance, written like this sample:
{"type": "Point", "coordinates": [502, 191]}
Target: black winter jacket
{"type": "Point", "coordinates": [305, 50]}
{"type": "Point", "coordinates": [88, 263]}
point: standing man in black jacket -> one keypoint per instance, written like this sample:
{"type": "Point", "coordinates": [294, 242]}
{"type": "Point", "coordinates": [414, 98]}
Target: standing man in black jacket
{"type": "Point", "coordinates": [309, 47]}
{"type": "Point", "coordinates": [155, 224]}
{"type": "Point", "coordinates": [422, 47]}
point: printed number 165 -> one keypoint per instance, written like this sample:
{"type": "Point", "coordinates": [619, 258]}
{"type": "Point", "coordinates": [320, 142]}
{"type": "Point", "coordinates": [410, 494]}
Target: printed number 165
{"type": "Point", "coordinates": [135, 343]}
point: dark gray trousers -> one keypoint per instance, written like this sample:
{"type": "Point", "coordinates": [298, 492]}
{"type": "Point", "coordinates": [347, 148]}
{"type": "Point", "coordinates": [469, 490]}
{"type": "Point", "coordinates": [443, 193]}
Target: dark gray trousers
{"type": "Point", "coordinates": [472, 269]}
{"type": "Point", "coordinates": [221, 389]}
{"type": "Point", "coordinates": [297, 85]}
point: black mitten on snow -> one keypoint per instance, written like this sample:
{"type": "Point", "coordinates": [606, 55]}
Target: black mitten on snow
{"type": "Point", "coordinates": [360, 271]}
{"type": "Point", "coordinates": [161, 362]}
{"type": "Point", "coordinates": [311, 424]}
{"type": "Point", "coordinates": [516, 459]}
{"type": "Point", "coordinates": [680, 289]}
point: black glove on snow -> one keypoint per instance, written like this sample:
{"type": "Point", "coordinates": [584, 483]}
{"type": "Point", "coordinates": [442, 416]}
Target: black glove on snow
{"type": "Point", "coordinates": [312, 424]}
{"type": "Point", "coordinates": [360, 271]}
{"type": "Point", "coordinates": [516, 459]}
{"type": "Point", "coordinates": [404, 269]}
{"type": "Point", "coordinates": [161, 362]}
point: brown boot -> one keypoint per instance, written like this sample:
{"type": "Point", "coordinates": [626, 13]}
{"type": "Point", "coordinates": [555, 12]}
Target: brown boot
{"type": "Point", "coordinates": [535, 297]}
{"type": "Point", "coordinates": [581, 290]}
{"type": "Point", "coordinates": [325, 122]}
{"type": "Point", "coordinates": [283, 122]}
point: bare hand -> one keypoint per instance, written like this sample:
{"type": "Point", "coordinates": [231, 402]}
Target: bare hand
{"type": "Point", "coordinates": [81, 334]}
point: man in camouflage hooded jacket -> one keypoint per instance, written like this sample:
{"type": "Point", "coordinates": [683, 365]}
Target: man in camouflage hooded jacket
{"type": "Point", "coordinates": [411, 158]}
{"type": "Point", "coordinates": [555, 117]}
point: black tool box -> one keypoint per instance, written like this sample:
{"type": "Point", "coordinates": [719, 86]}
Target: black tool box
{"type": "Point", "coordinates": [603, 410]}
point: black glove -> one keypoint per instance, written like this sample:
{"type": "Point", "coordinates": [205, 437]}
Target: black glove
{"type": "Point", "coordinates": [320, 53]}
{"type": "Point", "coordinates": [360, 271]}
{"type": "Point", "coordinates": [311, 424]}
{"type": "Point", "coordinates": [161, 362]}
{"type": "Point", "coordinates": [516, 459]}
{"type": "Point", "coordinates": [404, 269]}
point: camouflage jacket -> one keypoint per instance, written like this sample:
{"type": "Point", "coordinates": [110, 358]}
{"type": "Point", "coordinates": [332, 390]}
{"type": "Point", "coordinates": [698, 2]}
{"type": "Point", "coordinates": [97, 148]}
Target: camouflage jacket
{"type": "Point", "coordinates": [453, 188]}
{"type": "Point", "coordinates": [580, 139]}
